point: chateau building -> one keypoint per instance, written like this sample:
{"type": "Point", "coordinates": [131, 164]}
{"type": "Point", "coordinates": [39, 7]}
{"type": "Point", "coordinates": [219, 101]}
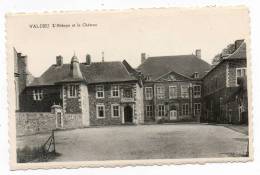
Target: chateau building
{"type": "Point", "coordinates": [173, 87]}
{"type": "Point", "coordinates": [162, 89]}
{"type": "Point", "coordinates": [86, 94]}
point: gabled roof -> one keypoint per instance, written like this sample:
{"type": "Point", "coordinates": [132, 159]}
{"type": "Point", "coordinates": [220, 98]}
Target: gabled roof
{"type": "Point", "coordinates": [96, 72]}
{"type": "Point", "coordinates": [185, 65]}
{"type": "Point", "coordinates": [240, 53]}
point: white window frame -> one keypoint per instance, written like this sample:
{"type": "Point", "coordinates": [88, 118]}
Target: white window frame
{"type": "Point", "coordinates": [100, 91]}
{"type": "Point", "coordinates": [149, 113]}
{"type": "Point", "coordinates": [161, 113]}
{"type": "Point", "coordinates": [241, 69]}
{"type": "Point", "coordinates": [112, 110]}
{"type": "Point", "coordinates": [150, 96]}
{"type": "Point", "coordinates": [182, 86]}
{"type": "Point", "coordinates": [196, 75]}
{"type": "Point", "coordinates": [199, 92]}
{"type": "Point", "coordinates": [37, 94]}
{"type": "Point", "coordinates": [185, 111]}
{"type": "Point", "coordinates": [97, 110]}
{"type": "Point", "coordinates": [176, 92]}
{"type": "Point", "coordinates": [115, 88]}
{"type": "Point", "coordinates": [196, 109]}
{"type": "Point", "coordinates": [160, 92]}
{"type": "Point", "coordinates": [74, 92]}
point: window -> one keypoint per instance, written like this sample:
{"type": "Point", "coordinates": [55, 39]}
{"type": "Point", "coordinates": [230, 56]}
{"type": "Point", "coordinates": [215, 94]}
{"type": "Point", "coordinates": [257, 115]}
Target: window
{"type": "Point", "coordinates": [100, 111]}
{"type": "Point", "coordinates": [115, 110]}
{"type": "Point", "coordinates": [161, 110]}
{"type": "Point", "coordinates": [100, 91]}
{"type": "Point", "coordinates": [127, 93]}
{"type": "Point", "coordinates": [185, 109]}
{"type": "Point", "coordinates": [240, 72]}
{"type": "Point", "coordinates": [196, 91]}
{"type": "Point", "coordinates": [149, 110]}
{"type": "Point", "coordinates": [148, 93]}
{"type": "Point", "coordinates": [115, 91]}
{"type": "Point", "coordinates": [197, 108]}
{"type": "Point", "coordinates": [185, 91]}
{"type": "Point", "coordinates": [160, 92]}
{"type": "Point", "coordinates": [37, 94]}
{"type": "Point", "coordinates": [172, 92]}
{"type": "Point", "coordinates": [196, 75]}
{"type": "Point", "coordinates": [73, 89]}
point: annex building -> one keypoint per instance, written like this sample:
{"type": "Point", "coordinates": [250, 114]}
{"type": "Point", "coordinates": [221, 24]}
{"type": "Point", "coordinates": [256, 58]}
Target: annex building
{"type": "Point", "coordinates": [162, 89]}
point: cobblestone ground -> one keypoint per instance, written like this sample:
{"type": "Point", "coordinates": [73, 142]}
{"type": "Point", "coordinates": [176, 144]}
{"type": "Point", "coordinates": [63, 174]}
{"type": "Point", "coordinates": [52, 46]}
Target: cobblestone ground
{"type": "Point", "coordinates": [145, 142]}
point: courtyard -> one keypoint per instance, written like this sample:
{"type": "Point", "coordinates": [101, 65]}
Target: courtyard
{"type": "Point", "coordinates": [168, 141]}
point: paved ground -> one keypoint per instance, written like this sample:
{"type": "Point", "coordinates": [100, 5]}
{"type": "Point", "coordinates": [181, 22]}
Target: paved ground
{"type": "Point", "coordinates": [144, 142]}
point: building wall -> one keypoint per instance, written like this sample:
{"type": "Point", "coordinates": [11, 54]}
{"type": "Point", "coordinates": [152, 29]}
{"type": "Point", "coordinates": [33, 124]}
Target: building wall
{"type": "Point", "coordinates": [51, 95]}
{"type": "Point", "coordinates": [72, 105]}
{"type": "Point", "coordinates": [220, 104]}
{"type": "Point", "coordinates": [172, 102]}
{"type": "Point", "coordinates": [107, 101]}
{"type": "Point", "coordinates": [84, 104]}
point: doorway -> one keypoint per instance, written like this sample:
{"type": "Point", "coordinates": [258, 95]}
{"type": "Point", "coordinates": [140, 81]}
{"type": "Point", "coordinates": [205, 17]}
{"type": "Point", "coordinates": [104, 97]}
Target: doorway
{"type": "Point", "coordinates": [128, 114]}
{"type": "Point", "coordinates": [173, 115]}
{"type": "Point", "coordinates": [58, 120]}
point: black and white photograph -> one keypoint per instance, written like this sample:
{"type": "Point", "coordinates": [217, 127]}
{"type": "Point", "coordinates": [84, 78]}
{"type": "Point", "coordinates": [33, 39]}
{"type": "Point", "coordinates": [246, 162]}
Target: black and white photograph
{"type": "Point", "coordinates": [118, 88]}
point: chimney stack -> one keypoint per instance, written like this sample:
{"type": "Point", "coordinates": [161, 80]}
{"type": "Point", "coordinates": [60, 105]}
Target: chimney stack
{"type": "Point", "coordinates": [198, 53]}
{"type": "Point", "coordinates": [103, 59]}
{"type": "Point", "coordinates": [88, 59]}
{"type": "Point", "coordinates": [59, 60]}
{"type": "Point", "coordinates": [238, 43]}
{"type": "Point", "coordinates": [143, 57]}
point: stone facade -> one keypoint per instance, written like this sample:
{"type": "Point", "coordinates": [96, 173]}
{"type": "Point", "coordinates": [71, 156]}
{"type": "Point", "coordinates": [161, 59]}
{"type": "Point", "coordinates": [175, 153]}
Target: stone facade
{"type": "Point", "coordinates": [220, 101]}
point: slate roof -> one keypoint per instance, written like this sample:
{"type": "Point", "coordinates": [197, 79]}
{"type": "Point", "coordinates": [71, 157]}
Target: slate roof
{"type": "Point", "coordinates": [96, 72]}
{"type": "Point", "coordinates": [185, 65]}
{"type": "Point", "coordinates": [240, 53]}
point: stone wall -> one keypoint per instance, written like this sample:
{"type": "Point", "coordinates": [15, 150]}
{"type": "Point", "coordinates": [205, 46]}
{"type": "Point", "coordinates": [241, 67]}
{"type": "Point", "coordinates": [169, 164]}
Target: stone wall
{"type": "Point", "coordinates": [31, 123]}
{"type": "Point", "coordinates": [28, 123]}
{"type": "Point", "coordinates": [71, 104]}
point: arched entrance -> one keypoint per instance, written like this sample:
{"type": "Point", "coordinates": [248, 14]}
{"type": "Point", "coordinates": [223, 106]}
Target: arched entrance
{"type": "Point", "coordinates": [128, 114]}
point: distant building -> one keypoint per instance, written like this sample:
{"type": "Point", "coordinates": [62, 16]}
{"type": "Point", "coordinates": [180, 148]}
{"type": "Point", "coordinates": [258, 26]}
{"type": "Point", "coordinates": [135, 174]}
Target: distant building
{"type": "Point", "coordinates": [173, 87]}
{"type": "Point", "coordinates": [225, 88]}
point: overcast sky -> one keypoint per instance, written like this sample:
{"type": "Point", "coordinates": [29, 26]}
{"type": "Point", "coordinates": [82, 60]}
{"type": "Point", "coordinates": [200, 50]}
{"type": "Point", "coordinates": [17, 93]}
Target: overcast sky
{"type": "Point", "coordinates": [125, 35]}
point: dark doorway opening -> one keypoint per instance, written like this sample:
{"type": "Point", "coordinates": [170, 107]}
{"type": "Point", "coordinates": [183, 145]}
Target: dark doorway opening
{"type": "Point", "coordinates": [128, 114]}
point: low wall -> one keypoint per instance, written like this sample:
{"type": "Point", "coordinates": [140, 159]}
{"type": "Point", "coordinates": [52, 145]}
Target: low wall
{"type": "Point", "coordinates": [35, 122]}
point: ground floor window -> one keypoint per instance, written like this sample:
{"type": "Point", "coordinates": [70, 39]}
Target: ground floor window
{"type": "Point", "coordinates": [161, 110]}
{"type": "Point", "coordinates": [197, 108]}
{"type": "Point", "coordinates": [149, 110]}
{"type": "Point", "coordinates": [185, 109]}
{"type": "Point", "coordinates": [100, 111]}
{"type": "Point", "coordinates": [115, 110]}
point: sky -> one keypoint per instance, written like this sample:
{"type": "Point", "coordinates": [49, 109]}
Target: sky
{"type": "Point", "coordinates": [125, 34]}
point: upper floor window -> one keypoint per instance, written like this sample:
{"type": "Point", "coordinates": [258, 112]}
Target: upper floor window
{"type": "Point", "coordinates": [185, 91]}
{"type": "Point", "coordinates": [148, 93]}
{"type": "Point", "coordinates": [127, 93]}
{"type": "Point", "coordinates": [161, 111]}
{"type": "Point", "coordinates": [185, 109]}
{"type": "Point", "coordinates": [100, 110]}
{"type": "Point", "coordinates": [172, 92]}
{"type": "Point", "coordinates": [115, 91]}
{"type": "Point", "coordinates": [197, 108]}
{"type": "Point", "coordinates": [196, 91]}
{"type": "Point", "coordinates": [37, 94]}
{"type": "Point", "coordinates": [73, 91]}
{"type": "Point", "coordinates": [115, 110]}
{"type": "Point", "coordinates": [100, 91]}
{"type": "Point", "coordinates": [160, 92]}
{"type": "Point", "coordinates": [240, 73]}
{"type": "Point", "coordinates": [147, 78]}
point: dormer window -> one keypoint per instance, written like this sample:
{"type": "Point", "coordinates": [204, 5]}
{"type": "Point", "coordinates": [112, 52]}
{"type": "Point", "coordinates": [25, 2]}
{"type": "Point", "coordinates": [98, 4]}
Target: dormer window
{"type": "Point", "coordinates": [37, 94]}
{"type": "Point", "coordinates": [196, 75]}
{"type": "Point", "coordinates": [147, 78]}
